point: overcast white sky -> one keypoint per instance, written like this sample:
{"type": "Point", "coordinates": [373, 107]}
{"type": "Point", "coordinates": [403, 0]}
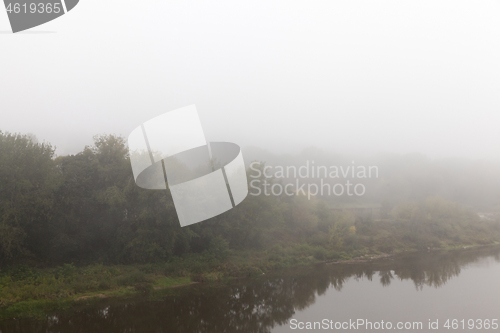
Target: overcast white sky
{"type": "Point", "coordinates": [345, 76]}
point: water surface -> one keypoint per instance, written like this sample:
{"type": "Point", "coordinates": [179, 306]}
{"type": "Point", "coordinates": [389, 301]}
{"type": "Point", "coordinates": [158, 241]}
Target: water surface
{"type": "Point", "coordinates": [411, 288]}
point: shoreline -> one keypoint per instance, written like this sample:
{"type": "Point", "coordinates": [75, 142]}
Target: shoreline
{"type": "Point", "coordinates": [367, 258]}
{"type": "Point", "coordinates": [39, 308]}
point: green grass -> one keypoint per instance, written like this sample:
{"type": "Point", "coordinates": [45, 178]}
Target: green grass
{"type": "Point", "coordinates": [30, 292]}
{"type": "Point", "coordinates": [33, 292]}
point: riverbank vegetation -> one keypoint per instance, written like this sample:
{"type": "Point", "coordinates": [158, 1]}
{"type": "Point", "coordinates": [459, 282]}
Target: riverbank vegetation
{"type": "Point", "coordinates": [74, 228]}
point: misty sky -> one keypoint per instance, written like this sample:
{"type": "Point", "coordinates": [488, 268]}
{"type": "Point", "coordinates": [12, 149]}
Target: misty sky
{"type": "Point", "coordinates": [346, 76]}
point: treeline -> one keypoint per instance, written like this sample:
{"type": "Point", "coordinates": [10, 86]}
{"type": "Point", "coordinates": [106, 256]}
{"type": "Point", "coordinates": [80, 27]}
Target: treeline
{"type": "Point", "coordinates": [403, 177]}
{"type": "Point", "coordinates": [86, 208]}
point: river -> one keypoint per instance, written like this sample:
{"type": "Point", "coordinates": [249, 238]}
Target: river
{"type": "Point", "coordinates": [415, 290]}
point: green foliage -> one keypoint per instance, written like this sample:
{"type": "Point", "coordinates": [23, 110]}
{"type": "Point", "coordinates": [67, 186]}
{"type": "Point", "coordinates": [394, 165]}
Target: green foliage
{"type": "Point", "coordinates": [26, 284]}
{"type": "Point", "coordinates": [219, 248]}
{"type": "Point", "coordinates": [342, 229]}
{"type": "Point", "coordinates": [86, 208]}
{"type": "Point", "coordinates": [74, 211]}
{"type": "Point", "coordinates": [28, 179]}
{"type": "Point", "coordinates": [65, 271]}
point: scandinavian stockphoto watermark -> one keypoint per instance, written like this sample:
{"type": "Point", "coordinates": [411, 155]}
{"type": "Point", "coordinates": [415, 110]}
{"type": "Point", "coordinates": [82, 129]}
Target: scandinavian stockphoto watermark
{"type": "Point", "coordinates": [310, 179]}
{"type": "Point", "coordinates": [26, 14]}
{"type": "Point", "coordinates": [205, 178]}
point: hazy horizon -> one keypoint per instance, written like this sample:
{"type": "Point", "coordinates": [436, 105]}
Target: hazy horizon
{"type": "Point", "coordinates": [352, 77]}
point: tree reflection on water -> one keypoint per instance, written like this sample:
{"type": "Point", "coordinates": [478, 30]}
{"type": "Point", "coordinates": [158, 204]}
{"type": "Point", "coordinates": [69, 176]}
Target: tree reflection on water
{"type": "Point", "coordinates": [255, 305]}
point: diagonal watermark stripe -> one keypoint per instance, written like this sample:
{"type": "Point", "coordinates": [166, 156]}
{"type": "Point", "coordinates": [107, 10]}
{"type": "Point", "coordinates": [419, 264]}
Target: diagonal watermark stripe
{"type": "Point", "coordinates": [26, 14]}
{"type": "Point", "coordinates": [205, 179]}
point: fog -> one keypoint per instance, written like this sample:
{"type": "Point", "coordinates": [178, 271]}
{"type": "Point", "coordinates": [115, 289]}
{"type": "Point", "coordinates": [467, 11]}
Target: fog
{"type": "Point", "coordinates": [360, 77]}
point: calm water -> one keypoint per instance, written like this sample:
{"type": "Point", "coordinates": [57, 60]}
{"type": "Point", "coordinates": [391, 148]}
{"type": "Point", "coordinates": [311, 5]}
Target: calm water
{"type": "Point", "coordinates": [413, 288]}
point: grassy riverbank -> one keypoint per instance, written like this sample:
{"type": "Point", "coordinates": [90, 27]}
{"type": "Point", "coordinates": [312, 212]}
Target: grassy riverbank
{"type": "Point", "coordinates": [29, 292]}
{"type": "Point", "coordinates": [34, 292]}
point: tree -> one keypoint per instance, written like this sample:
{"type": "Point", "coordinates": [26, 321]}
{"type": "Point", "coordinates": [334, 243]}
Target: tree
{"type": "Point", "coordinates": [28, 178]}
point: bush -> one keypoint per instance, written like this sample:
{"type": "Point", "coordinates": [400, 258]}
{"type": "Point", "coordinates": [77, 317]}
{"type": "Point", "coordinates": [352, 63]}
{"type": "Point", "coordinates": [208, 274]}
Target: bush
{"type": "Point", "coordinates": [131, 278]}
{"type": "Point", "coordinates": [219, 247]}
{"type": "Point", "coordinates": [320, 253]}
{"type": "Point", "coordinates": [66, 271]}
